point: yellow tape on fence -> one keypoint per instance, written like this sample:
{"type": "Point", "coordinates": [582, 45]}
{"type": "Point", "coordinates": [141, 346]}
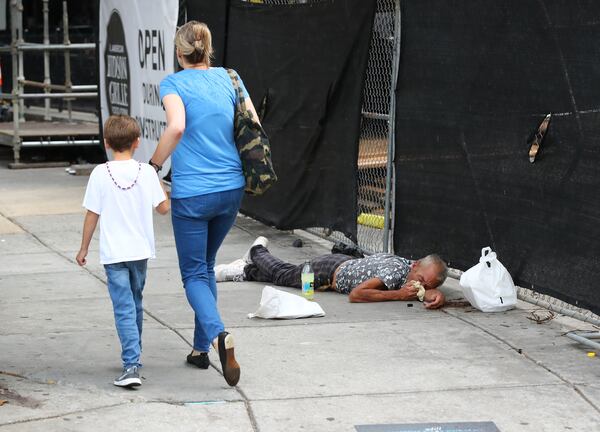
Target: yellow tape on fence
{"type": "Point", "coordinates": [371, 220]}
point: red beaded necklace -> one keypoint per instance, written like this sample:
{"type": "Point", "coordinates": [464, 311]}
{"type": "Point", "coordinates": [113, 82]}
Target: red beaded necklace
{"type": "Point", "coordinates": [132, 184]}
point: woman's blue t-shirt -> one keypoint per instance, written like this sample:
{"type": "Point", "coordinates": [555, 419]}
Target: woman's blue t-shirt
{"type": "Point", "coordinates": [206, 159]}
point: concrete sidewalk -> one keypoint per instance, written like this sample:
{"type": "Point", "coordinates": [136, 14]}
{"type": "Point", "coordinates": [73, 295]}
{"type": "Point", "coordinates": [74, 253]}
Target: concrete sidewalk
{"type": "Point", "coordinates": [362, 364]}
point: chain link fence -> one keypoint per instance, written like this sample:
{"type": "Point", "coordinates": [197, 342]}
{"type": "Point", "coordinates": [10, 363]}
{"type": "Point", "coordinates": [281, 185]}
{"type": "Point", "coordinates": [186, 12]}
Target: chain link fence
{"type": "Point", "coordinates": [375, 132]}
{"type": "Point", "coordinates": [375, 128]}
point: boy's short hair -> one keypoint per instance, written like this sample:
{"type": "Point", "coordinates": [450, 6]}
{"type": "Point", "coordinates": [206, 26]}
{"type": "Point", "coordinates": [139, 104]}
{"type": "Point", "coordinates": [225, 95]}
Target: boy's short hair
{"type": "Point", "coordinates": [120, 132]}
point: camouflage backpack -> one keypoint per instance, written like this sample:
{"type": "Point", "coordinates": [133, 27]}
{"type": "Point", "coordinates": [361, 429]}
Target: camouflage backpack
{"type": "Point", "coordinates": [253, 145]}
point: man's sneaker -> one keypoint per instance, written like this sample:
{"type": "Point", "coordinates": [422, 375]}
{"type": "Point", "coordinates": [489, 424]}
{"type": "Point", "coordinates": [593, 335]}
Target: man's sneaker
{"type": "Point", "coordinates": [229, 366]}
{"type": "Point", "coordinates": [201, 360]}
{"type": "Point", "coordinates": [234, 271]}
{"type": "Point", "coordinates": [263, 241]}
{"type": "Point", "coordinates": [129, 378]}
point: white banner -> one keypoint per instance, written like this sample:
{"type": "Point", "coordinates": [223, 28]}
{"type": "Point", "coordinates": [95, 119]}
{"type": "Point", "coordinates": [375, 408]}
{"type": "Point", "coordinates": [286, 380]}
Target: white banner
{"type": "Point", "coordinates": [136, 53]}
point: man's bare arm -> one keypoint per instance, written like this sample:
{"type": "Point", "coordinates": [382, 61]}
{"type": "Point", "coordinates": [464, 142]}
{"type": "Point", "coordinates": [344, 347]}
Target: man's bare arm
{"type": "Point", "coordinates": [374, 290]}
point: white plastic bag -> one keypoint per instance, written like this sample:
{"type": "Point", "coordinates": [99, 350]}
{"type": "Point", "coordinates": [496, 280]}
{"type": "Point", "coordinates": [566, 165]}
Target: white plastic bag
{"type": "Point", "coordinates": [488, 285]}
{"type": "Point", "coordinates": [279, 304]}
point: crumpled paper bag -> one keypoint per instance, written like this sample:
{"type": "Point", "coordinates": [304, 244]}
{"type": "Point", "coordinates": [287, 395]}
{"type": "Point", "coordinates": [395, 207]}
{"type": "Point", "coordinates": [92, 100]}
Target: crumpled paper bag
{"type": "Point", "coordinates": [277, 304]}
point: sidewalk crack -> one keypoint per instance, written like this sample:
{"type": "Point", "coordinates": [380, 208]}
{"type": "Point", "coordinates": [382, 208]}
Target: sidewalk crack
{"type": "Point", "coordinates": [51, 417]}
{"type": "Point", "coordinates": [247, 402]}
{"type": "Point", "coordinates": [245, 399]}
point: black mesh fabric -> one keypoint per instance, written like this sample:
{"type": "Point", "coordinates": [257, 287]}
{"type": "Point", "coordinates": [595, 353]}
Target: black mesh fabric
{"type": "Point", "coordinates": [304, 68]}
{"type": "Point", "coordinates": [476, 79]}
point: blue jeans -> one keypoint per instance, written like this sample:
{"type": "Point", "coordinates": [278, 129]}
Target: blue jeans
{"type": "Point", "coordinates": [200, 224]}
{"type": "Point", "coordinates": [125, 285]}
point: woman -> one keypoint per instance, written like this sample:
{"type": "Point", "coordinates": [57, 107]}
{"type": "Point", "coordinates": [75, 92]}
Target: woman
{"type": "Point", "coordinates": [207, 182]}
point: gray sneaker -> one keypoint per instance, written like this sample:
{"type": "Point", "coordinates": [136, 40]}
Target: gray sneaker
{"type": "Point", "coordinates": [129, 378]}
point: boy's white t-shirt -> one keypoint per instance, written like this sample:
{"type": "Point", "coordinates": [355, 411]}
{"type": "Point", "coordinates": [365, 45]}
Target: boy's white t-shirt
{"type": "Point", "coordinates": [126, 229]}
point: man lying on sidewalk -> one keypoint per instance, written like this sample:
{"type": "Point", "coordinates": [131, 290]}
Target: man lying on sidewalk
{"type": "Point", "coordinates": [379, 277]}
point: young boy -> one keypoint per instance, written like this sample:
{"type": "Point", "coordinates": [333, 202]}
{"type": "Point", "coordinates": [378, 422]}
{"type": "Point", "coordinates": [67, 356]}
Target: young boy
{"type": "Point", "coordinates": [121, 193]}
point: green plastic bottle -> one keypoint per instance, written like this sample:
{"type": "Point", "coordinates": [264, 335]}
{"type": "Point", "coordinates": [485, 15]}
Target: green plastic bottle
{"type": "Point", "coordinates": [308, 281]}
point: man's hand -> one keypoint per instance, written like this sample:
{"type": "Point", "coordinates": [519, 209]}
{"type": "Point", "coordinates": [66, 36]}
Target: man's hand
{"type": "Point", "coordinates": [434, 299]}
{"type": "Point", "coordinates": [408, 291]}
{"type": "Point", "coordinates": [80, 258]}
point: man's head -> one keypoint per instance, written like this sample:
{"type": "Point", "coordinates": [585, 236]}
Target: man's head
{"type": "Point", "coordinates": [121, 133]}
{"type": "Point", "coordinates": [431, 271]}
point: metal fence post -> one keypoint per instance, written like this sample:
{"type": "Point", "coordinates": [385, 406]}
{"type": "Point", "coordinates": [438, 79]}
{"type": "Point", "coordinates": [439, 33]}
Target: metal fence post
{"type": "Point", "coordinates": [46, 61]}
{"type": "Point", "coordinates": [388, 227]}
{"type": "Point", "coordinates": [20, 43]}
{"type": "Point", "coordinates": [66, 41]}
{"type": "Point", "coordinates": [16, 27]}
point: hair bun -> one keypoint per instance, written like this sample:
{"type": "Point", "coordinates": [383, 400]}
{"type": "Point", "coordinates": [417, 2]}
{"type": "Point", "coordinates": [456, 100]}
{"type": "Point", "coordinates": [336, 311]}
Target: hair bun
{"type": "Point", "coordinates": [193, 40]}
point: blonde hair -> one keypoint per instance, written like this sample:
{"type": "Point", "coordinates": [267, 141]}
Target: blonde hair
{"type": "Point", "coordinates": [194, 42]}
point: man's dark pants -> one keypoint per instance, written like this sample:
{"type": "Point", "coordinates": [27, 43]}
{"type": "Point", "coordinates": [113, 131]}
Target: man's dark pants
{"type": "Point", "coordinates": [267, 268]}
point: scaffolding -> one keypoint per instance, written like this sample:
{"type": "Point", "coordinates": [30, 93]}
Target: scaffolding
{"type": "Point", "coordinates": [46, 133]}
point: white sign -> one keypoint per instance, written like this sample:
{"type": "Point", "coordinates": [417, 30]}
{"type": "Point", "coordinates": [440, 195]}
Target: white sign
{"type": "Point", "coordinates": [136, 53]}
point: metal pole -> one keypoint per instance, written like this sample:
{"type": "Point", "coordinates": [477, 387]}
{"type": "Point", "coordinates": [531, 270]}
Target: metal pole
{"type": "Point", "coordinates": [21, 68]}
{"type": "Point", "coordinates": [60, 87]}
{"type": "Point", "coordinates": [46, 61]}
{"type": "Point", "coordinates": [583, 340]}
{"type": "Point", "coordinates": [15, 16]}
{"type": "Point", "coordinates": [71, 95]}
{"type": "Point", "coordinates": [85, 87]}
{"type": "Point", "coordinates": [390, 175]}
{"type": "Point", "coordinates": [52, 47]}
{"type": "Point", "coordinates": [589, 335]}
{"type": "Point", "coordinates": [59, 143]}
{"type": "Point", "coordinates": [66, 41]}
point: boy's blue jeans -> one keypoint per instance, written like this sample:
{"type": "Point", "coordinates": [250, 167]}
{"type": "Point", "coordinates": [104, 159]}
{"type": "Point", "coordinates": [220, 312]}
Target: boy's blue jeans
{"type": "Point", "coordinates": [125, 285]}
{"type": "Point", "coordinates": [200, 224]}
